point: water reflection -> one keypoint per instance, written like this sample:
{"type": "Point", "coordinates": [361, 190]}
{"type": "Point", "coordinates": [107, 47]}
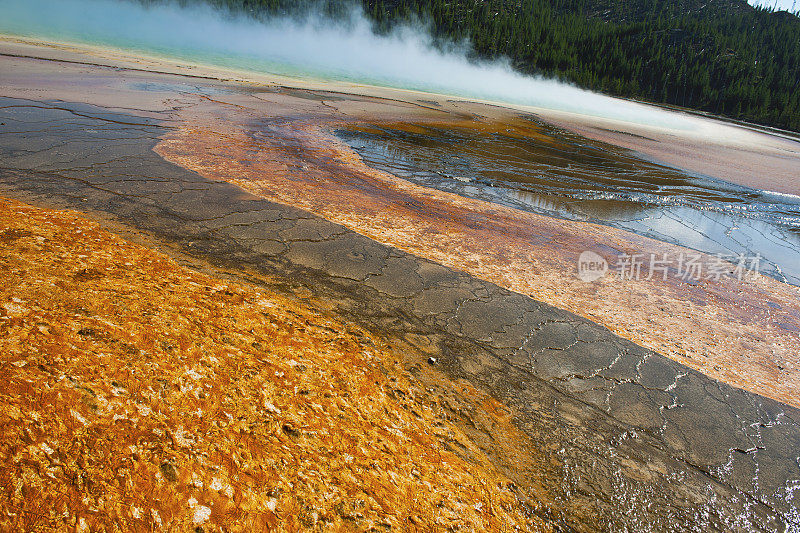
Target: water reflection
{"type": "Point", "coordinates": [541, 169]}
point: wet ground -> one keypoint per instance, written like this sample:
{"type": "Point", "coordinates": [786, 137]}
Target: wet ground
{"type": "Point", "coordinates": [118, 364]}
{"type": "Point", "coordinates": [554, 172]}
{"type": "Point", "coordinates": [741, 331]}
{"type": "Point", "coordinates": [605, 434]}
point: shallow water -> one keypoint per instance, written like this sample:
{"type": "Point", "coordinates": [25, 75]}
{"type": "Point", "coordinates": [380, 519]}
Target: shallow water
{"type": "Point", "coordinates": [554, 172]}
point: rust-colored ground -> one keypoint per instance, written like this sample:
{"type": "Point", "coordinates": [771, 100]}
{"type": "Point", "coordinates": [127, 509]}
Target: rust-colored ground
{"type": "Point", "coordinates": [131, 385]}
{"type": "Point", "coordinates": [136, 394]}
{"type": "Point", "coordinates": [741, 332]}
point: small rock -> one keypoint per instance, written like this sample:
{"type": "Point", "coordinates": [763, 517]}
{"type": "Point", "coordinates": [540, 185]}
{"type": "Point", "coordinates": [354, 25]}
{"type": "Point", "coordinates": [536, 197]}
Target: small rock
{"type": "Point", "coordinates": [13, 310]}
{"type": "Point", "coordinates": [201, 514]}
{"type": "Point", "coordinates": [289, 430]}
{"type": "Point", "coordinates": [169, 472]}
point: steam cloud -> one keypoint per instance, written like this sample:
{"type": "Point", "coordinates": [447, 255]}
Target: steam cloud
{"type": "Point", "coordinates": [406, 58]}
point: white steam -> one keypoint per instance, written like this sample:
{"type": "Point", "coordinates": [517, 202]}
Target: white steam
{"type": "Point", "coordinates": [402, 59]}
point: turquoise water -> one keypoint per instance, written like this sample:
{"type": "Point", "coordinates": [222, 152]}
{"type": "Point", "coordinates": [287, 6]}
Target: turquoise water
{"type": "Point", "coordinates": [119, 25]}
{"type": "Point", "coordinates": [312, 48]}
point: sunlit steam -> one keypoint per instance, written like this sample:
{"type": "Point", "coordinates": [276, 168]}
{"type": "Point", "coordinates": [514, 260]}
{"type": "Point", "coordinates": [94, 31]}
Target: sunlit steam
{"type": "Point", "coordinates": [317, 47]}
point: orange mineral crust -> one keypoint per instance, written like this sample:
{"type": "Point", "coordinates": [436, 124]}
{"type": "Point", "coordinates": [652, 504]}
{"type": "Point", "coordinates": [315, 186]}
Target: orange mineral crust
{"type": "Point", "coordinates": [139, 395]}
{"type": "Point", "coordinates": [743, 332]}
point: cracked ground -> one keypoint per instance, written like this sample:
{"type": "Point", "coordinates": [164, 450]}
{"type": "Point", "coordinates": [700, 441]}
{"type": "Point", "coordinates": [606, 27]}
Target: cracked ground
{"type": "Point", "coordinates": [591, 430]}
